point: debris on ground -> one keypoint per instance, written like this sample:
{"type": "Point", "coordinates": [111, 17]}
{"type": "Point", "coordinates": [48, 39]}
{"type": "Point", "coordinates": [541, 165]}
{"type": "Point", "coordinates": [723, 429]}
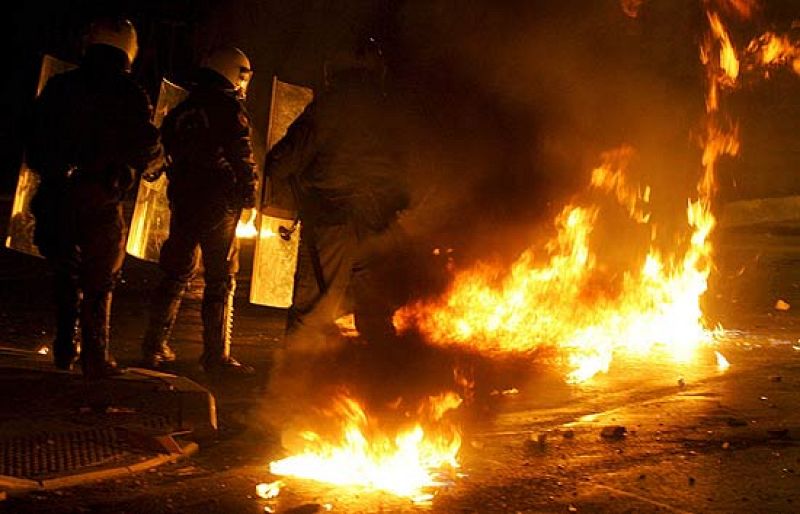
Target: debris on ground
{"type": "Point", "coordinates": [613, 432]}
{"type": "Point", "coordinates": [782, 305]}
{"type": "Point", "coordinates": [309, 508]}
{"type": "Point", "coordinates": [778, 433]}
{"type": "Point", "coordinates": [736, 422]}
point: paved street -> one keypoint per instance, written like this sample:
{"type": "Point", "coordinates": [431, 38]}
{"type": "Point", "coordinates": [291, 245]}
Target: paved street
{"type": "Point", "coordinates": [697, 439]}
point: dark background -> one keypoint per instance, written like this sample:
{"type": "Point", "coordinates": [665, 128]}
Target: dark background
{"type": "Point", "coordinates": [507, 104]}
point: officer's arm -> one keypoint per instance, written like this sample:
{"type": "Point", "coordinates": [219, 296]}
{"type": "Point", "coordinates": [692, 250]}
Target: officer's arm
{"type": "Point", "coordinates": [289, 158]}
{"type": "Point", "coordinates": [41, 145]}
{"type": "Point", "coordinates": [239, 154]}
{"type": "Point", "coordinates": [146, 153]}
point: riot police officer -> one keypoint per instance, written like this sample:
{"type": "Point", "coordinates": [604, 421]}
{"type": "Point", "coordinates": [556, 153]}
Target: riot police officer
{"type": "Point", "coordinates": [90, 133]}
{"type": "Point", "coordinates": [212, 178]}
{"type": "Point", "coordinates": [339, 167]}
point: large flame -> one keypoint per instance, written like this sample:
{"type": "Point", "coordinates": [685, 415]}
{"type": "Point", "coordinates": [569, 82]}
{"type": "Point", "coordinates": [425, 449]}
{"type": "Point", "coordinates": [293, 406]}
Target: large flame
{"type": "Point", "coordinates": [566, 301]}
{"type": "Point", "coordinates": [404, 462]}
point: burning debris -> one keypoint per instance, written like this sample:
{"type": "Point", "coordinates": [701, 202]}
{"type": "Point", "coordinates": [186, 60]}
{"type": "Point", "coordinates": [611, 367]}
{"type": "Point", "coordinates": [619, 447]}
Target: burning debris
{"type": "Point", "coordinates": [406, 462]}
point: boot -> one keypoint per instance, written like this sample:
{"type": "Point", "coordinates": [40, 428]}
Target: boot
{"type": "Point", "coordinates": [164, 307]}
{"type": "Point", "coordinates": [217, 314]}
{"type": "Point", "coordinates": [95, 316]}
{"type": "Point", "coordinates": [65, 345]}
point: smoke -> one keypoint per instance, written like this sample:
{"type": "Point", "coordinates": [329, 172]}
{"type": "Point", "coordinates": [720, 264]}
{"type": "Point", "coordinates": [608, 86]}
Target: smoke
{"type": "Point", "coordinates": [513, 104]}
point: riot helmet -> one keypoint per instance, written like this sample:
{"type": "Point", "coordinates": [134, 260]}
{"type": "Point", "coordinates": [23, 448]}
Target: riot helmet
{"type": "Point", "coordinates": [117, 32]}
{"type": "Point", "coordinates": [233, 64]}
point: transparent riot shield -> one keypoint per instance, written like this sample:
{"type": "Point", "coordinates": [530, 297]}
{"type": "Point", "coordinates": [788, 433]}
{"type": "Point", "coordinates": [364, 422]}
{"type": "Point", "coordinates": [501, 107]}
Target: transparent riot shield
{"type": "Point", "coordinates": [275, 257]}
{"type": "Point", "coordinates": [150, 221]}
{"type": "Point", "coordinates": [21, 224]}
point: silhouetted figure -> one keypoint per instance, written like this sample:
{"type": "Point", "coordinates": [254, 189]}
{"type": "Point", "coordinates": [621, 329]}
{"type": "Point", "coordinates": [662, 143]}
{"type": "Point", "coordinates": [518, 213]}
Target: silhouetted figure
{"type": "Point", "coordinates": [90, 134]}
{"type": "Point", "coordinates": [212, 178]}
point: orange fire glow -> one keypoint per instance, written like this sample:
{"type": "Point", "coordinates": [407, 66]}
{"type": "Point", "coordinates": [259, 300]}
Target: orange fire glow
{"type": "Point", "coordinates": [772, 50]}
{"type": "Point", "coordinates": [654, 308]}
{"type": "Point", "coordinates": [246, 228]}
{"type": "Point", "coordinates": [405, 462]}
{"type": "Point", "coordinates": [631, 7]}
{"type": "Point", "coordinates": [565, 302]}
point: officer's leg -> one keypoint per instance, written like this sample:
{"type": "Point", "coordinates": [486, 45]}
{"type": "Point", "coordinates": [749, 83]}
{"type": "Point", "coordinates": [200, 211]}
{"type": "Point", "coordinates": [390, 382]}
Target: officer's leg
{"type": "Point", "coordinates": [220, 251]}
{"type": "Point", "coordinates": [178, 261]}
{"type": "Point", "coordinates": [55, 235]}
{"type": "Point", "coordinates": [379, 283]}
{"type": "Point", "coordinates": [67, 297]}
{"type": "Point", "coordinates": [101, 232]}
{"type": "Point", "coordinates": [317, 300]}
{"type": "Point", "coordinates": [311, 331]}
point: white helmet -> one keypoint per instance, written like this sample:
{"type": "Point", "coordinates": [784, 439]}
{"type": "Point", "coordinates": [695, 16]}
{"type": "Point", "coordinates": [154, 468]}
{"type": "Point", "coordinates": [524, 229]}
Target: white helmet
{"type": "Point", "coordinates": [233, 64]}
{"type": "Point", "coordinates": [119, 33]}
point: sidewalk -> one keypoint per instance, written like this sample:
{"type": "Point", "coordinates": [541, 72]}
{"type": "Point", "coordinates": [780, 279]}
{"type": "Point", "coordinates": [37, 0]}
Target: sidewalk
{"type": "Point", "coordinates": [57, 430]}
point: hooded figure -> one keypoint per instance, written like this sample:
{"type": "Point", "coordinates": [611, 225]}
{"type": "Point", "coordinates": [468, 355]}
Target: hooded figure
{"type": "Point", "coordinates": [212, 178]}
{"type": "Point", "coordinates": [90, 134]}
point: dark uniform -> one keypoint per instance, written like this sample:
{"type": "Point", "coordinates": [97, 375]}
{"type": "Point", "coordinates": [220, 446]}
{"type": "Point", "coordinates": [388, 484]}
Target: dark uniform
{"type": "Point", "coordinates": [212, 177]}
{"type": "Point", "coordinates": [339, 162]}
{"type": "Point", "coordinates": [90, 132]}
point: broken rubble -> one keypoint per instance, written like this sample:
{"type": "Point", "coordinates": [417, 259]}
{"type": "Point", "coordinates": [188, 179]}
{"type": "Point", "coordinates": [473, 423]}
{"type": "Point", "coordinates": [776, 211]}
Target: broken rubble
{"type": "Point", "coordinates": [613, 432]}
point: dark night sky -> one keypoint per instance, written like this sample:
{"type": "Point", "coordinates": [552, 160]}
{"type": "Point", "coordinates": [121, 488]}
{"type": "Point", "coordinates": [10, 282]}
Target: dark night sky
{"type": "Point", "coordinates": [508, 103]}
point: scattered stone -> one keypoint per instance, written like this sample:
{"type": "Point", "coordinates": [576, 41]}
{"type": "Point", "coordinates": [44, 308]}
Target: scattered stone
{"type": "Point", "coordinates": [726, 445]}
{"type": "Point", "coordinates": [613, 432]}
{"type": "Point", "coordinates": [692, 481]}
{"type": "Point", "coordinates": [542, 439]}
{"type": "Point", "coordinates": [782, 305]}
{"type": "Point", "coordinates": [778, 433]}
{"type": "Point", "coordinates": [776, 378]}
{"type": "Point", "coordinates": [642, 476]}
{"type": "Point", "coordinates": [569, 434]}
{"type": "Point", "coordinates": [737, 422]}
{"type": "Point", "coordinates": [681, 383]}
{"type": "Point", "coordinates": [572, 508]}
{"type": "Point", "coordinates": [309, 508]}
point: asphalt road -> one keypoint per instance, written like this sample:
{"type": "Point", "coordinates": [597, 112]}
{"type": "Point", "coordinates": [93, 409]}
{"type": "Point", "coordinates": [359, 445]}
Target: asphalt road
{"type": "Point", "coordinates": [697, 439]}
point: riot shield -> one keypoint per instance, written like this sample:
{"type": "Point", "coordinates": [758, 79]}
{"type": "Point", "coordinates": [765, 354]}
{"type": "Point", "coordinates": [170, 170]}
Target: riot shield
{"type": "Point", "coordinates": [20, 226]}
{"type": "Point", "coordinates": [275, 257]}
{"type": "Point", "coordinates": [150, 221]}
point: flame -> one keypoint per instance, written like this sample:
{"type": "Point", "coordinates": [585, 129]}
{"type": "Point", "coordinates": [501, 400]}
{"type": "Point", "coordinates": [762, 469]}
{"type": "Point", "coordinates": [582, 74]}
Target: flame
{"type": "Point", "coordinates": [246, 228]}
{"type": "Point", "coordinates": [347, 325]}
{"type": "Point", "coordinates": [567, 302]}
{"type": "Point", "coordinates": [631, 8]}
{"type": "Point", "coordinates": [610, 177]}
{"type": "Point", "coordinates": [771, 50]}
{"type": "Point", "coordinates": [724, 70]}
{"type": "Point", "coordinates": [405, 464]}
{"type": "Point", "coordinates": [558, 303]}
{"type": "Point", "coordinates": [722, 362]}
{"type": "Point", "coordinates": [742, 8]}
{"type": "Point", "coordinates": [270, 490]}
